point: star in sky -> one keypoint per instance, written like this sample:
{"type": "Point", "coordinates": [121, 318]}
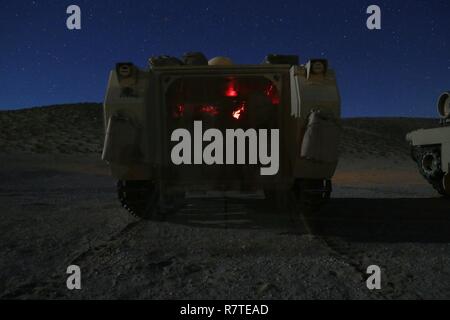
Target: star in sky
{"type": "Point", "coordinates": [396, 71]}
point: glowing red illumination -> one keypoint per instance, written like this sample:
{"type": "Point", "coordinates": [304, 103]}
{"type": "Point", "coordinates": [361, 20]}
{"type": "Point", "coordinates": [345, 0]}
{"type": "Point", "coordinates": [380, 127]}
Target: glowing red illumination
{"type": "Point", "coordinates": [275, 100]}
{"type": "Point", "coordinates": [237, 113]}
{"type": "Point", "coordinates": [272, 94]}
{"type": "Point", "coordinates": [212, 110]}
{"type": "Point", "coordinates": [231, 91]}
{"type": "Point", "coordinates": [179, 111]}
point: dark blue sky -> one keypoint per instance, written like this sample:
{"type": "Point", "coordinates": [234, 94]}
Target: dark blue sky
{"type": "Point", "coordinates": [397, 71]}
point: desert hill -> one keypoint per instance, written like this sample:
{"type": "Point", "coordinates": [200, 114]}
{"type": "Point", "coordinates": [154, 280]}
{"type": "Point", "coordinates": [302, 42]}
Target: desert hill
{"type": "Point", "coordinates": [70, 128]}
{"type": "Point", "coordinates": [78, 128]}
{"type": "Point", "coordinates": [59, 206]}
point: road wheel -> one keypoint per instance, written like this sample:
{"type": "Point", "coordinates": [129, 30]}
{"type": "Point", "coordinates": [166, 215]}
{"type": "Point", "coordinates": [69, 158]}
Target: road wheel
{"type": "Point", "coordinates": [140, 198]}
{"type": "Point", "coordinates": [430, 164]}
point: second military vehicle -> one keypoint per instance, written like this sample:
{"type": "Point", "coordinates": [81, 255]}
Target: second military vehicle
{"type": "Point", "coordinates": [430, 148]}
{"type": "Point", "coordinates": [190, 123]}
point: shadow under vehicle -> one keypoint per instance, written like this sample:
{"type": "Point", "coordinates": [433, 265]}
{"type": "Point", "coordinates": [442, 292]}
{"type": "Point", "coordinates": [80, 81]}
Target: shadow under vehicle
{"type": "Point", "coordinates": [355, 220]}
{"type": "Point", "coordinates": [298, 104]}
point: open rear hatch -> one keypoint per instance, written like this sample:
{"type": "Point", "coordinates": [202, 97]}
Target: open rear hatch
{"type": "Point", "coordinates": [220, 102]}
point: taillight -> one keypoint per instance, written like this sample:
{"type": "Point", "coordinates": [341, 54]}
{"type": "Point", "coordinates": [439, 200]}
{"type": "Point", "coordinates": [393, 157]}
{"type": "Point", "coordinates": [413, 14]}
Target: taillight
{"type": "Point", "coordinates": [127, 77]}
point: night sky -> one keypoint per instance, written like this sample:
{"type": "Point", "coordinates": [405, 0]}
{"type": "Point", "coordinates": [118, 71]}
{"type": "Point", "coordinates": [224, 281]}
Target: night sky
{"type": "Point", "coordinates": [397, 71]}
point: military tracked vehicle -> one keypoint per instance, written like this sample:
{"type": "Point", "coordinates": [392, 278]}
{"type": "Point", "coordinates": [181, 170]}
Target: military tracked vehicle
{"type": "Point", "coordinates": [185, 109]}
{"type": "Point", "coordinates": [430, 149]}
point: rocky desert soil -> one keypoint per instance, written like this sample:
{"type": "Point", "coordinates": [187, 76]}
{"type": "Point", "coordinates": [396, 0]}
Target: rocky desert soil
{"type": "Point", "coordinates": [58, 207]}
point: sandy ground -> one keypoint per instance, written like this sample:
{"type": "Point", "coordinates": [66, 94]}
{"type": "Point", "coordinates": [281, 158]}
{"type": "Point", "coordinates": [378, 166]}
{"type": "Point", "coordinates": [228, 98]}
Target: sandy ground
{"type": "Point", "coordinates": [62, 210]}
{"type": "Point", "coordinates": [58, 207]}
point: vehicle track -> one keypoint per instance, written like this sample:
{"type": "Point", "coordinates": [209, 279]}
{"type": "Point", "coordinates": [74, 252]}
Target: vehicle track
{"type": "Point", "coordinates": [55, 283]}
{"type": "Point", "coordinates": [343, 250]}
{"type": "Point", "coordinates": [224, 212]}
{"type": "Point", "coordinates": [352, 254]}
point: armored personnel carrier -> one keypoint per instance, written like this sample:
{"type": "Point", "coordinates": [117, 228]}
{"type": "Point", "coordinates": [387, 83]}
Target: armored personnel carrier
{"type": "Point", "coordinates": [192, 123]}
{"type": "Point", "coordinates": [430, 148]}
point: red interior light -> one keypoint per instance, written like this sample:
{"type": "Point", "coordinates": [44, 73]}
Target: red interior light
{"type": "Point", "coordinates": [275, 100]}
{"type": "Point", "coordinates": [231, 90]}
{"type": "Point", "coordinates": [179, 111]}
{"type": "Point", "coordinates": [239, 110]}
{"type": "Point", "coordinates": [272, 94]}
{"type": "Point", "coordinates": [209, 109]}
